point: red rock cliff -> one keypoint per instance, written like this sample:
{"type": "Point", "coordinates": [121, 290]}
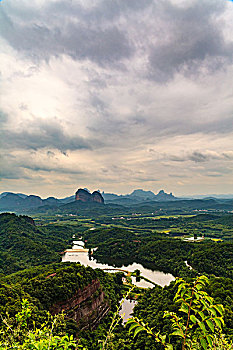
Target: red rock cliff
{"type": "Point", "coordinates": [82, 195]}
{"type": "Point", "coordinates": [97, 197]}
{"type": "Point", "coordinates": [87, 307]}
{"type": "Point", "coordinates": [85, 196]}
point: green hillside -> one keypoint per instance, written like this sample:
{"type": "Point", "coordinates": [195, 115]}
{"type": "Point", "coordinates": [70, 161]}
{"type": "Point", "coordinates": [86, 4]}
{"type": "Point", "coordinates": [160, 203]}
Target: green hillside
{"type": "Point", "coordinates": [22, 244]}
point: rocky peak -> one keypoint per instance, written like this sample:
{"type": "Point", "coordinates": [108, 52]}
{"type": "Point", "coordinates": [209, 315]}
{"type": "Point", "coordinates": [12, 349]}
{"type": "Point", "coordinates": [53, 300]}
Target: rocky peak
{"type": "Point", "coordinates": [163, 196]}
{"type": "Point", "coordinates": [97, 197]}
{"type": "Point", "coordinates": [84, 195]}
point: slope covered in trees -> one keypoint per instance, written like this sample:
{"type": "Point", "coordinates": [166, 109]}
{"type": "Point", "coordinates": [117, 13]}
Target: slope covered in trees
{"type": "Point", "coordinates": [67, 284]}
{"type": "Point", "coordinates": [154, 251]}
{"type": "Point", "coordinates": [22, 244]}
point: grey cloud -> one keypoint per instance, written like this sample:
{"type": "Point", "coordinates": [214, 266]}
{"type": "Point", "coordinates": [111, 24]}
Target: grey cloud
{"type": "Point", "coordinates": [184, 125]}
{"type": "Point", "coordinates": [145, 179]}
{"type": "Point", "coordinates": [50, 154]}
{"type": "Point", "coordinates": [23, 107]}
{"type": "Point", "coordinates": [194, 41]}
{"type": "Point", "coordinates": [16, 167]}
{"type": "Point", "coordinates": [78, 39]}
{"type": "Point", "coordinates": [200, 157]}
{"type": "Point", "coordinates": [125, 113]}
{"type": "Point", "coordinates": [135, 129]}
{"type": "Point", "coordinates": [3, 117]}
{"type": "Point", "coordinates": [178, 176]}
{"type": "Point", "coordinates": [111, 10]}
{"type": "Point", "coordinates": [176, 158]}
{"type": "Point", "coordinates": [228, 155]}
{"type": "Point", "coordinates": [9, 170]}
{"type": "Point", "coordinates": [214, 175]}
{"type": "Point", "coordinates": [220, 170]}
{"type": "Point", "coordinates": [216, 172]}
{"type": "Point", "coordinates": [12, 174]}
{"type": "Point", "coordinates": [221, 126]}
{"type": "Point", "coordinates": [43, 135]}
{"type": "Point", "coordinates": [51, 168]}
{"type": "Point", "coordinates": [186, 39]}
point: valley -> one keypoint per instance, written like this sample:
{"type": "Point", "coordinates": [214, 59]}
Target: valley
{"type": "Point", "coordinates": [157, 243]}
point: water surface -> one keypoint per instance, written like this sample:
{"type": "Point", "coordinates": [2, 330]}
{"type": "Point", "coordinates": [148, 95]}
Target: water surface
{"type": "Point", "coordinates": [158, 277]}
{"type": "Point", "coordinates": [127, 309]}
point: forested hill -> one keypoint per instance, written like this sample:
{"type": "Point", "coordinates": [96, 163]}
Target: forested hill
{"type": "Point", "coordinates": [22, 244]}
{"type": "Point", "coordinates": [69, 286]}
{"type": "Point", "coordinates": [154, 251]}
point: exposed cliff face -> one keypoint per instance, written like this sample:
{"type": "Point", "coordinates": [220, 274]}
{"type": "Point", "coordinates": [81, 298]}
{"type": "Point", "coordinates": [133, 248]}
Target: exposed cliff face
{"type": "Point", "coordinates": [87, 307]}
{"type": "Point", "coordinates": [97, 197]}
{"type": "Point", "coordinates": [82, 195]}
{"type": "Point", "coordinates": [85, 196]}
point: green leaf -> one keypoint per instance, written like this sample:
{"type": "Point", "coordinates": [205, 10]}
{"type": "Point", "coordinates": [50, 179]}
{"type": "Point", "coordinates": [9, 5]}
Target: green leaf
{"type": "Point", "coordinates": [203, 279]}
{"type": "Point", "coordinates": [134, 325]}
{"type": "Point", "coordinates": [204, 304]}
{"type": "Point", "coordinates": [203, 343]}
{"type": "Point", "coordinates": [201, 314]}
{"type": "Point", "coordinates": [209, 299]}
{"type": "Point", "coordinates": [130, 320]}
{"type": "Point", "coordinates": [210, 324]}
{"type": "Point", "coordinates": [139, 329]}
{"type": "Point", "coordinates": [182, 292]}
{"type": "Point", "coordinates": [209, 340]}
{"type": "Point", "coordinates": [218, 322]}
{"type": "Point", "coordinates": [178, 332]}
{"type": "Point", "coordinates": [202, 326]}
{"type": "Point", "coordinates": [212, 310]}
{"type": "Point", "coordinates": [184, 308]}
{"type": "Point", "coordinates": [169, 347]}
{"type": "Point", "coordinates": [181, 286]}
{"type": "Point", "coordinates": [219, 308]}
{"type": "Point", "coordinates": [163, 338]}
{"type": "Point", "coordinates": [199, 286]}
{"type": "Point", "coordinates": [193, 319]}
{"type": "Point", "coordinates": [180, 300]}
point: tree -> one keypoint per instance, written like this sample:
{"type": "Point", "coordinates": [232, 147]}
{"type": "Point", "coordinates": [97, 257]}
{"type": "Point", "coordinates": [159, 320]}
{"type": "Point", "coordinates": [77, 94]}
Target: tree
{"type": "Point", "coordinates": [17, 334]}
{"type": "Point", "coordinates": [198, 324]}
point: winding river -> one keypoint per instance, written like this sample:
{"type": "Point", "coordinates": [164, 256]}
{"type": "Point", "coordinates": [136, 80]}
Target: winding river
{"type": "Point", "coordinates": [157, 277]}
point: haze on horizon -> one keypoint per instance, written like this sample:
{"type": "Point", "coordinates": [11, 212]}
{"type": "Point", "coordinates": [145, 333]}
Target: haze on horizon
{"type": "Point", "coordinates": [116, 95]}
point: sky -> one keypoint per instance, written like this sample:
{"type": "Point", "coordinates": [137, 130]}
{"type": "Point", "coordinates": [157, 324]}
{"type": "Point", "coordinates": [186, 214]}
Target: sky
{"type": "Point", "coordinates": [116, 95]}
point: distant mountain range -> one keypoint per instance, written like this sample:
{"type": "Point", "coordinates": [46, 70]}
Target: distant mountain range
{"type": "Point", "coordinates": [19, 202]}
{"type": "Point", "coordinates": [138, 196]}
{"type": "Point", "coordinates": [13, 201]}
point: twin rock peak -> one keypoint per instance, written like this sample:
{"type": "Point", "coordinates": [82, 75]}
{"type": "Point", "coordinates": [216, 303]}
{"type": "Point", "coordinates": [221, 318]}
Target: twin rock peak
{"type": "Point", "coordinates": [85, 196]}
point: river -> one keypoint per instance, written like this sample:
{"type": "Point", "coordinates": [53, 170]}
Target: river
{"type": "Point", "coordinates": [157, 277]}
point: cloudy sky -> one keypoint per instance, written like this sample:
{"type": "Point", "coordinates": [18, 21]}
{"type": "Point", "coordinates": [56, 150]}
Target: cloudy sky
{"type": "Point", "coordinates": [116, 95]}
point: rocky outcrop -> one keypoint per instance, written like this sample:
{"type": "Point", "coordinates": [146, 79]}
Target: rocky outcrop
{"type": "Point", "coordinates": [85, 196]}
{"type": "Point", "coordinates": [87, 307]}
{"type": "Point", "coordinates": [97, 197]}
{"type": "Point", "coordinates": [163, 196]}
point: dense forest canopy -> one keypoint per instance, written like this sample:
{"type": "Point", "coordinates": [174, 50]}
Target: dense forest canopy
{"type": "Point", "coordinates": [157, 242]}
